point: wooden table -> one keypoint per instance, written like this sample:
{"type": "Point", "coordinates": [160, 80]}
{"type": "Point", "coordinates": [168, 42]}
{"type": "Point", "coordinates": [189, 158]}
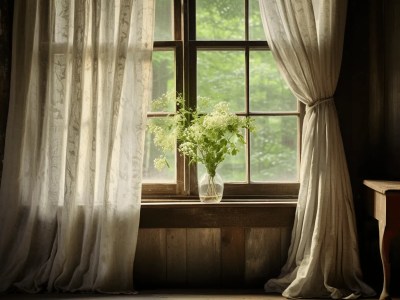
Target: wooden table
{"type": "Point", "coordinates": [385, 207]}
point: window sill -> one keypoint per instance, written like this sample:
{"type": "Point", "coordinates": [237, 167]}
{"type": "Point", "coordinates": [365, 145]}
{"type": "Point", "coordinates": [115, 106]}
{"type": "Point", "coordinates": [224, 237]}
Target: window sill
{"type": "Point", "coordinates": [194, 214]}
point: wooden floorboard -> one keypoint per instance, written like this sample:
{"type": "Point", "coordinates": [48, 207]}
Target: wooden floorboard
{"type": "Point", "coordinates": [161, 294]}
{"type": "Point", "coordinates": [157, 294]}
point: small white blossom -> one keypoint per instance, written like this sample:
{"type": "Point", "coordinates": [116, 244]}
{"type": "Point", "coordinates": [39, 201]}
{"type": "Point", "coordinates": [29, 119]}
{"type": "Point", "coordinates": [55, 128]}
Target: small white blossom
{"type": "Point", "coordinates": [206, 139]}
{"type": "Point", "coordinates": [160, 163]}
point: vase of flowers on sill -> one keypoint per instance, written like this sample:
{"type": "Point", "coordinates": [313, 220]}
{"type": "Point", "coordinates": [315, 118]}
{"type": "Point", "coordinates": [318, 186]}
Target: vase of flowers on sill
{"type": "Point", "coordinates": [211, 188]}
{"type": "Point", "coordinates": [204, 138]}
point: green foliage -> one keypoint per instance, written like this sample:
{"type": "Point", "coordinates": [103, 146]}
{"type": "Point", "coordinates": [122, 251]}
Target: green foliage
{"type": "Point", "coordinates": [224, 20]}
{"type": "Point", "coordinates": [225, 17]}
{"type": "Point", "coordinates": [203, 138]}
{"type": "Point", "coordinates": [274, 149]}
{"type": "Point", "coordinates": [221, 77]}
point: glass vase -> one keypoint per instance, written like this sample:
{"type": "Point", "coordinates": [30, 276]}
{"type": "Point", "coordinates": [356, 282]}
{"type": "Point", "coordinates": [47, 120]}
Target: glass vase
{"type": "Point", "coordinates": [211, 188]}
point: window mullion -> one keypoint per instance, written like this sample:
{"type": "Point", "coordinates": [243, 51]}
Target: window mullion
{"type": "Point", "coordinates": [246, 22]}
{"type": "Point", "coordinates": [178, 32]}
{"type": "Point", "coordinates": [247, 95]}
{"type": "Point", "coordinates": [190, 59]}
{"type": "Point", "coordinates": [247, 85]}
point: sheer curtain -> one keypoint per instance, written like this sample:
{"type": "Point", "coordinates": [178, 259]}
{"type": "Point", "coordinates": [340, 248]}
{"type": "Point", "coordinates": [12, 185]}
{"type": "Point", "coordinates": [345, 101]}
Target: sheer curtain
{"type": "Point", "coordinates": [71, 188]}
{"type": "Point", "coordinates": [306, 39]}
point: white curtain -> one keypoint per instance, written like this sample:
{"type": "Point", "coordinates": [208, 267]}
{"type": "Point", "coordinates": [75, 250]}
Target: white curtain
{"type": "Point", "coordinates": [306, 39]}
{"type": "Point", "coordinates": [71, 188]}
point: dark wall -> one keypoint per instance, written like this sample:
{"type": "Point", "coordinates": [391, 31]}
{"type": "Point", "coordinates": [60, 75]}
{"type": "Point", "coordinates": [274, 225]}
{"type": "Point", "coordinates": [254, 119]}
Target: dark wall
{"type": "Point", "coordinates": [6, 13]}
{"type": "Point", "coordinates": [392, 88]}
{"type": "Point", "coordinates": [352, 94]}
{"type": "Point", "coordinates": [352, 103]}
{"type": "Point", "coordinates": [368, 93]}
{"type": "Point", "coordinates": [353, 106]}
{"type": "Point", "coordinates": [368, 104]}
{"type": "Point", "coordinates": [391, 111]}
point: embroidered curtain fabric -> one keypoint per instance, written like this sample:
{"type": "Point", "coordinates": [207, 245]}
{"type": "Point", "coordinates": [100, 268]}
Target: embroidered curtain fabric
{"type": "Point", "coordinates": [71, 188]}
{"type": "Point", "coordinates": [306, 39]}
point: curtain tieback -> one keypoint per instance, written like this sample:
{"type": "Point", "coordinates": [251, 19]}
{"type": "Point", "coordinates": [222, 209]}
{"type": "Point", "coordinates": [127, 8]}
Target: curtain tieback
{"type": "Point", "coordinates": [319, 101]}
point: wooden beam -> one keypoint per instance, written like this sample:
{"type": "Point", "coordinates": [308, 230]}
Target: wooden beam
{"type": "Point", "coordinates": [198, 215]}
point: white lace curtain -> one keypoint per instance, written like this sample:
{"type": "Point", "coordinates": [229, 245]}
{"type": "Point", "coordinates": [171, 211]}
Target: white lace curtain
{"type": "Point", "coordinates": [71, 188]}
{"type": "Point", "coordinates": [306, 39]}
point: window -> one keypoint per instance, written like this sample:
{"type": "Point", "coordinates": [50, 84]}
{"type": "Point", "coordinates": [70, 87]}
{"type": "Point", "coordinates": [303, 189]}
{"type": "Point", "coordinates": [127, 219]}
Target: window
{"type": "Point", "coordinates": [217, 49]}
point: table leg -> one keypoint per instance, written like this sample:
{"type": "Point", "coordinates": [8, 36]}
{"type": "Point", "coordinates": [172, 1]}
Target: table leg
{"type": "Point", "coordinates": [385, 238]}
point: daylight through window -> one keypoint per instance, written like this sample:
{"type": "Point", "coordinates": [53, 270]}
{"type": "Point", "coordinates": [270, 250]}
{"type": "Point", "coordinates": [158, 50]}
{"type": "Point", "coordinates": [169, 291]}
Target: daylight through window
{"type": "Point", "coordinates": [217, 49]}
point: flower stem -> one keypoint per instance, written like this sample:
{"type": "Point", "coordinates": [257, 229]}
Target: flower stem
{"type": "Point", "coordinates": [211, 189]}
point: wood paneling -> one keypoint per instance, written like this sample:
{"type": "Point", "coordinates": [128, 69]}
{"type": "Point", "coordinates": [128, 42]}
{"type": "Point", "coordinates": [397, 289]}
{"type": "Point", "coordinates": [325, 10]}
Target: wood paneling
{"type": "Point", "coordinates": [392, 87]}
{"type": "Point", "coordinates": [203, 257]}
{"type": "Point", "coordinates": [391, 36]}
{"type": "Point", "coordinates": [198, 215]}
{"type": "Point", "coordinates": [227, 245]}
{"type": "Point", "coordinates": [383, 147]}
{"type": "Point", "coordinates": [232, 256]}
{"type": "Point", "coordinates": [150, 261]}
{"type": "Point", "coordinates": [286, 234]}
{"type": "Point", "coordinates": [263, 254]}
{"type": "Point", "coordinates": [376, 90]}
{"type": "Point", "coordinates": [176, 257]}
{"type": "Point", "coordinates": [209, 257]}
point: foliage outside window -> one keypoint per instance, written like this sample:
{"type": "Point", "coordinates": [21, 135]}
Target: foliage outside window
{"type": "Point", "coordinates": [220, 53]}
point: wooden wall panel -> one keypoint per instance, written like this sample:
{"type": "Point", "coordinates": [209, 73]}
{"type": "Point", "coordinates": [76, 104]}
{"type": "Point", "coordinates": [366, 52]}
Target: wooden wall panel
{"type": "Point", "coordinates": [232, 257]}
{"type": "Point", "coordinates": [203, 257]}
{"type": "Point", "coordinates": [150, 260]}
{"type": "Point", "coordinates": [176, 257]}
{"type": "Point", "coordinates": [262, 255]}
{"type": "Point", "coordinates": [286, 234]}
{"type": "Point", "coordinates": [392, 87]}
{"type": "Point", "coordinates": [392, 113]}
{"type": "Point", "coordinates": [375, 149]}
{"type": "Point", "coordinates": [223, 215]}
{"type": "Point", "coordinates": [223, 257]}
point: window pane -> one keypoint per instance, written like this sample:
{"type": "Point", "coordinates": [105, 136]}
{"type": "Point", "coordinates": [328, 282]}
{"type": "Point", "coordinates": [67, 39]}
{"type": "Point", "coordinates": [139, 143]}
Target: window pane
{"type": "Point", "coordinates": [150, 173]}
{"type": "Point", "coordinates": [163, 77]}
{"type": "Point", "coordinates": [164, 17]}
{"type": "Point", "coordinates": [221, 77]}
{"type": "Point", "coordinates": [273, 149]}
{"type": "Point", "coordinates": [268, 91]}
{"type": "Point", "coordinates": [256, 30]}
{"type": "Point", "coordinates": [233, 168]}
{"type": "Point", "coordinates": [220, 20]}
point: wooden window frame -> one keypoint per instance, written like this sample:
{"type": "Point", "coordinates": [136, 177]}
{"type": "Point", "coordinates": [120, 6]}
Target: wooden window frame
{"type": "Point", "coordinates": [186, 46]}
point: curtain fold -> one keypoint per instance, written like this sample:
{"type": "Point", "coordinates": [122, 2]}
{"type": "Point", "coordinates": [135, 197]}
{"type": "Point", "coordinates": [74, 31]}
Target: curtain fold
{"type": "Point", "coordinates": [71, 185]}
{"type": "Point", "coordinates": [306, 39]}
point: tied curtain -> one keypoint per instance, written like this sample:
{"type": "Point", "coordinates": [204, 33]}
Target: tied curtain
{"type": "Point", "coordinates": [71, 188]}
{"type": "Point", "coordinates": [306, 40]}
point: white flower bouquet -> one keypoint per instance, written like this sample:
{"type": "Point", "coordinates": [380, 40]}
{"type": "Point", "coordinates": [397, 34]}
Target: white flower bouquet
{"type": "Point", "coordinates": [203, 138]}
